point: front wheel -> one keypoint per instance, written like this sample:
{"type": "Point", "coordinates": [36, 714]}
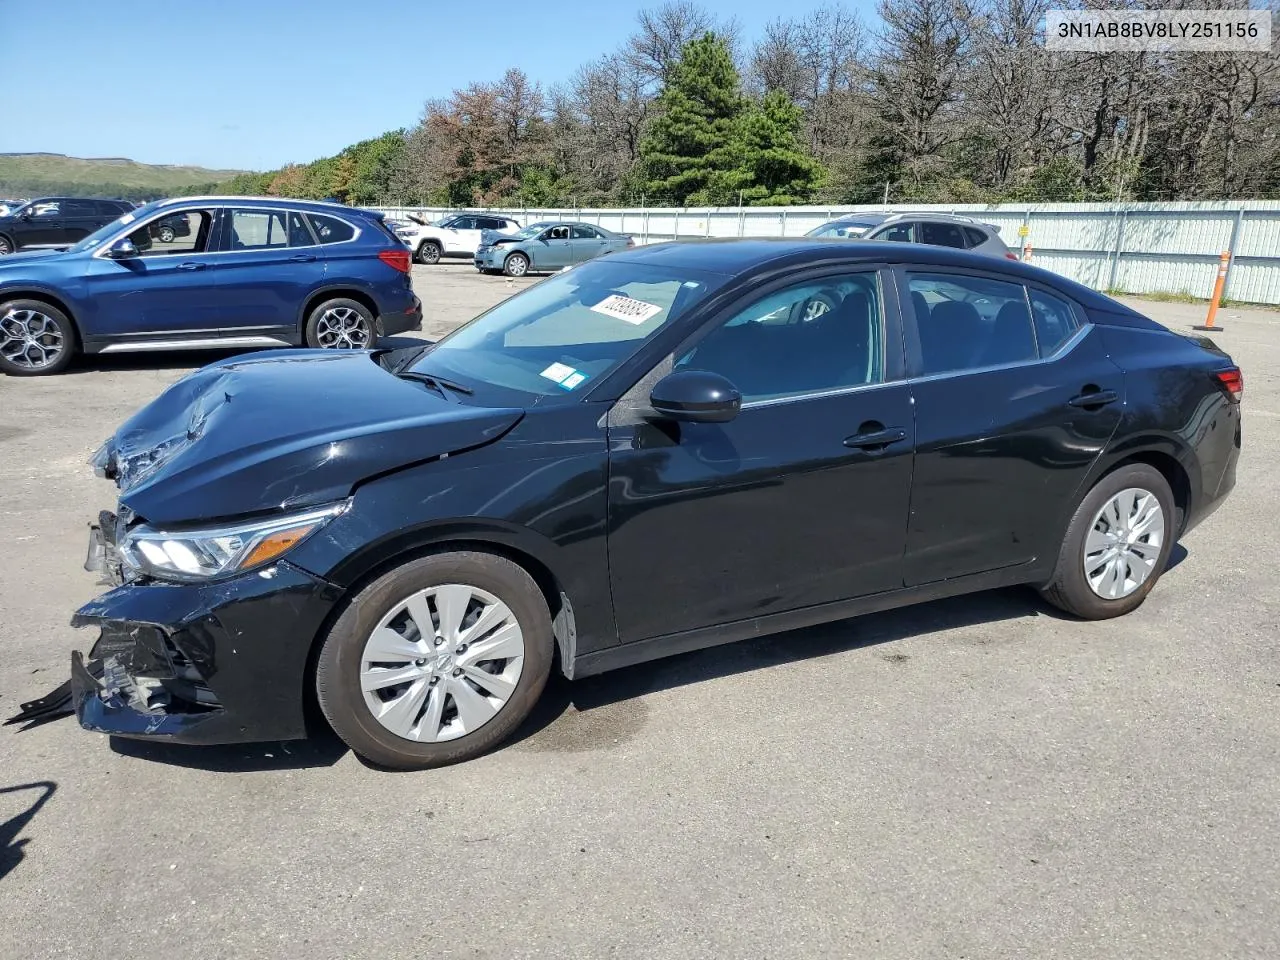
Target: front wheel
{"type": "Point", "coordinates": [516, 265]}
{"type": "Point", "coordinates": [35, 338]}
{"type": "Point", "coordinates": [6, 246]}
{"type": "Point", "coordinates": [340, 324]}
{"type": "Point", "coordinates": [436, 661]}
{"type": "Point", "coordinates": [1117, 545]}
{"type": "Point", "coordinates": [429, 252]}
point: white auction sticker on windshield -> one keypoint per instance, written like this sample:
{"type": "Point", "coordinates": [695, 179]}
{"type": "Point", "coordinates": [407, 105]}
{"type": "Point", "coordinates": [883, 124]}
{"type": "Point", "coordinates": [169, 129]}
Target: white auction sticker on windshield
{"type": "Point", "coordinates": [624, 308]}
{"type": "Point", "coordinates": [558, 372]}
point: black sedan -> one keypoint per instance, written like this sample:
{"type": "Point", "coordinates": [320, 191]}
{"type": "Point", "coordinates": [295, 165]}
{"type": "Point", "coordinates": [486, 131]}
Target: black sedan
{"type": "Point", "coordinates": [673, 447]}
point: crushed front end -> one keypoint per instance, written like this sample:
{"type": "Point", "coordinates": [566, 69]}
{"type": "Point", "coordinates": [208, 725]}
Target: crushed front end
{"type": "Point", "coordinates": [216, 662]}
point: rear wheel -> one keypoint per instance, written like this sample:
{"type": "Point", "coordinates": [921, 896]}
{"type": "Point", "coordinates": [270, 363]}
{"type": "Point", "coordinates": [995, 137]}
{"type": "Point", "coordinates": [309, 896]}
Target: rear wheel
{"type": "Point", "coordinates": [341, 324]}
{"type": "Point", "coordinates": [6, 246]}
{"type": "Point", "coordinates": [1117, 545]}
{"type": "Point", "coordinates": [35, 338]}
{"type": "Point", "coordinates": [166, 234]}
{"type": "Point", "coordinates": [428, 252]}
{"type": "Point", "coordinates": [436, 661]}
{"type": "Point", "coordinates": [516, 265]}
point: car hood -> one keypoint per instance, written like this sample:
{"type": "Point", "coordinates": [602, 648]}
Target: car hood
{"type": "Point", "coordinates": [20, 260]}
{"type": "Point", "coordinates": [279, 431]}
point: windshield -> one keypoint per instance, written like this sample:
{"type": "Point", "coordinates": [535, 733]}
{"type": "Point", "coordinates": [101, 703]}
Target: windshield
{"type": "Point", "coordinates": [567, 332]}
{"type": "Point", "coordinates": [102, 233]}
{"type": "Point", "coordinates": [844, 228]}
{"type": "Point", "coordinates": [532, 230]}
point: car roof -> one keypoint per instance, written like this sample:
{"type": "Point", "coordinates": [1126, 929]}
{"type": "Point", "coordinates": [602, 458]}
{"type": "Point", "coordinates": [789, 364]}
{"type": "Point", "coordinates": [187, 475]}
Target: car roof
{"type": "Point", "coordinates": [314, 206]}
{"type": "Point", "coordinates": [739, 257]}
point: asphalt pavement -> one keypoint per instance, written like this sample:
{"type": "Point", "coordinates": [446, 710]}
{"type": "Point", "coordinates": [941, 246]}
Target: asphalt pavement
{"type": "Point", "coordinates": [976, 778]}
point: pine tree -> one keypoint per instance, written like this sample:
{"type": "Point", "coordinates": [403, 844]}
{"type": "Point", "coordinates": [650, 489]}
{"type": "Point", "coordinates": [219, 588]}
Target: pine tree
{"type": "Point", "coordinates": [774, 169]}
{"type": "Point", "coordinates": [692, 144]}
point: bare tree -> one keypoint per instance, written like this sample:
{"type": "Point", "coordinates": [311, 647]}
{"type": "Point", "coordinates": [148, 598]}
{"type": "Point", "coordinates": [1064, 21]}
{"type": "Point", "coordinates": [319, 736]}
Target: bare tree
{"type": "Point", "coordinates": [662, 33]}
{"type": "Point", "coordinates": [924, 49]}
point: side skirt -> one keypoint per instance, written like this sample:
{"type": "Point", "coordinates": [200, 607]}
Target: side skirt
{"type": "Point", "coordinates": [642, 651]}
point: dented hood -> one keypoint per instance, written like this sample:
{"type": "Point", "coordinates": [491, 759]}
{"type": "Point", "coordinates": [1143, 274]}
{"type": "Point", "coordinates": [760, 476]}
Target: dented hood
{"type": "Point", "coordinates": [283, 430]}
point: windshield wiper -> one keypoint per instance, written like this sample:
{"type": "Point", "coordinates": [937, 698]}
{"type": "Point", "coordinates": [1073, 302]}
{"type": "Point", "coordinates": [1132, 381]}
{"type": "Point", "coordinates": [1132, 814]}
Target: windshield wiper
{"type": "Point", "coordinates": [439, 383]}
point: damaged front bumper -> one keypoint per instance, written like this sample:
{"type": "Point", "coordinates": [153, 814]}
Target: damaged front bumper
{"type": "Point", "coordinates": [220, 662]}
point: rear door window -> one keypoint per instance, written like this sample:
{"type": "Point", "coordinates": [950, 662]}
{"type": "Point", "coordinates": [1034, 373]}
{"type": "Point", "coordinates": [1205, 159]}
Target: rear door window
{"type": "Point", "coordinates": [969, 322]}
{"type": "Point", "coordinates": [86, 209]}
{"type": "Point", "coordinates": [253, 229]}
{"type": "Point", "coordinates": [330, 229]}
{"type": "Point", "coordinates": [583, 232]}
{"type": "Point", "coordinates": [942, 234]}
{"type": "Point", "coordinates": [299, 232]}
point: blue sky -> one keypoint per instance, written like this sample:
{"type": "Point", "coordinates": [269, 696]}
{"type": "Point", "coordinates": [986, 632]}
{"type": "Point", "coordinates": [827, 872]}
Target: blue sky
{"type": "Point", "coordinates": [259, 83]}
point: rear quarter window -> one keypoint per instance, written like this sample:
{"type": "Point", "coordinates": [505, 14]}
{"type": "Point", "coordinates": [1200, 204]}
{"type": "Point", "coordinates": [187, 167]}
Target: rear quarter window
{"type": "Point", "coordinates": [1054, 319]}
{"type": "Point", "coordinates": [330, 229]}
{"type": "Point", "coordinates": [974, 237]}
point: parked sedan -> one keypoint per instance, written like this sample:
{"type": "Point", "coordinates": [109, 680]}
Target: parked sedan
{"type": "Point", "coordinates": [202, 272]}
{"type": "Point", "coordinates": [665, 449]}
{"type": "Point", "coordinates": [542, 247]}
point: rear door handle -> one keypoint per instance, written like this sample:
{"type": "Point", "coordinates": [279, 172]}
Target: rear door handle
{"type": "Point", "coordinates": [1094, 398]}
{"type": "Point", "coordinates": [876, 439]}
{"type": "Point", "coordinates": [191, 265]}
{"type": "Point", "coordinates": [302, 258]}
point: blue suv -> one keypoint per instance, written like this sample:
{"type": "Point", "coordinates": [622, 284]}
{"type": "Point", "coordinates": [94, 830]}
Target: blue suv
{"type": "Point", "coordinates": [223, 272]}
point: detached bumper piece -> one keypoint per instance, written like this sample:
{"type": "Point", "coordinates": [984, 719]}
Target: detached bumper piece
{"type": "Point", "coordinates": [208, 663]}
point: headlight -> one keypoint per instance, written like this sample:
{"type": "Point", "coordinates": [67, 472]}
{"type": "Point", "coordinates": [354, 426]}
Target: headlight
{"type": "Point", "coordinates": [220, 551]}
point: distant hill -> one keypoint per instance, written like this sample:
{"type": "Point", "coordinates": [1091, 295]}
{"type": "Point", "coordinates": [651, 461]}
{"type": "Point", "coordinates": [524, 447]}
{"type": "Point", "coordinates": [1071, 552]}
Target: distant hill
{"type": "Point", "coordinates": [33, 174]}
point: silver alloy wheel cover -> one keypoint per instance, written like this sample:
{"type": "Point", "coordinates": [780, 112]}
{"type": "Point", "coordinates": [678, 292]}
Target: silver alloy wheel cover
{"type": "Point", "coordinates": [429, 253]}
{"type": "Point", "coordinates": [343, 328]}
{"type": "Point", "coordinates": [519, 264]}
{"type": "Point", "coordinates": [166, 234]}
{"type": "Point", "coordinates": [1123, 543]}
{"type": "Point", "coordinates": [5, 249]}
{"type": "Point", "coordinates": [423, 669]}
{"type": "Point", "coordinates": [30, 339]}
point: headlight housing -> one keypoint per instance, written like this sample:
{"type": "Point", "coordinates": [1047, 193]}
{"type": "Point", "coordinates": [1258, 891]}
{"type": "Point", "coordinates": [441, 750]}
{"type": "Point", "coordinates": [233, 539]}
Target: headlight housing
{"type": "Point", "coordinates": [213, 552]}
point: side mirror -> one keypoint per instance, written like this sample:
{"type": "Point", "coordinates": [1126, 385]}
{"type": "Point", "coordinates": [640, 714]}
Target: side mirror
{"type": "Point", "coordinates": [696, 396]}
{"type": "Point", "coordinates": [122, 249]}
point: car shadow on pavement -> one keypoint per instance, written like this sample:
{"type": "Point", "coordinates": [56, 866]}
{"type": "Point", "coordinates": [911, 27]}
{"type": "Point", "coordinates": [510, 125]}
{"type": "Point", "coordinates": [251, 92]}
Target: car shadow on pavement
{"type": "Point", "coordinates": [11, 852]}
{"type": "Point", "coordinates": [759, 653]}
{"type": "Point", "coordinates": [321, 749]}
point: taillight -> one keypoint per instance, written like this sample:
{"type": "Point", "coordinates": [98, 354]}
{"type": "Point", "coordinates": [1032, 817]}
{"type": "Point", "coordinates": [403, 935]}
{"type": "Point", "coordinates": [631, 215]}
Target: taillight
{"type": "Point", "coordinates": [1232, 381]}
{"type": "Point", "coordinates": [398, 259]}
{"type": "Point", "coordinates": [1010, 256]}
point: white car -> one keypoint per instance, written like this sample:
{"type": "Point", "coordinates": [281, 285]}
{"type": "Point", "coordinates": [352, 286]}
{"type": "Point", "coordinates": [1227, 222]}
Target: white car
{"type": "Point", "coordinates": [457, 235]}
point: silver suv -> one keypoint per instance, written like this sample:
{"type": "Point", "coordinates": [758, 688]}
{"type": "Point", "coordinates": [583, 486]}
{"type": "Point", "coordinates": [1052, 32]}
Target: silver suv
{"type": "Point", "coordinates": [937, 229]}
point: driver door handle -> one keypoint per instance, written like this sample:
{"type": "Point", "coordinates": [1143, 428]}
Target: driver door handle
{"type": "Point", "coordinates": [302, 258]}
{"type": "Point", "coordinates": [191, 265]}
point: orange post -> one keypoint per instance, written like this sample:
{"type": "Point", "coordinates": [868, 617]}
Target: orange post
{"type": "Point", "coordinates": [1223, 262]}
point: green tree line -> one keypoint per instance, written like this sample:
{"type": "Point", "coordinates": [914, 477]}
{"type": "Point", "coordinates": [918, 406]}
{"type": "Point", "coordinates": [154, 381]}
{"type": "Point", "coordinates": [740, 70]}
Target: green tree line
{"type": "Point", "coordinates": [931, 101]}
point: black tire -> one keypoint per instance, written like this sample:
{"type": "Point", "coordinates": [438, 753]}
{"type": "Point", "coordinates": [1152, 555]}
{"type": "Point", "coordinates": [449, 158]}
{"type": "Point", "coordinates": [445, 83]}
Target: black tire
{"type": "Point", "coordinates": [428, 252]}
{"type": "Point", "coordinates": [66, 330]}
{"type": "Point", "coordinates": [516, 265]}
{"type": "Point", "coordinates": [166, 235]}
{"type": "Point", "coordinates": [1069, 589]}
{"type": "Point", "coordinates": [338, 667]}
{"type": "Point", "coordinates": [6, 246]}
{"type": "Point", "coordinates": [319, 339]}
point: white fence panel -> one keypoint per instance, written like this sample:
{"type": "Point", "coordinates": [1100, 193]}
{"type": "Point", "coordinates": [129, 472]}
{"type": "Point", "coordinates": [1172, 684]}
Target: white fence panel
{"type": "Point", "coordinates": [1134, 248]}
